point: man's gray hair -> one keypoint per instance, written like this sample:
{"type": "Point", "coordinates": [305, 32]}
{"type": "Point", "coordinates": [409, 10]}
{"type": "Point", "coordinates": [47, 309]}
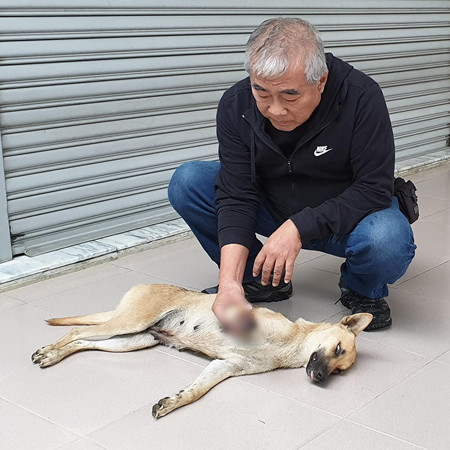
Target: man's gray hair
{"type": "Point", "coordinates": [284, 41]}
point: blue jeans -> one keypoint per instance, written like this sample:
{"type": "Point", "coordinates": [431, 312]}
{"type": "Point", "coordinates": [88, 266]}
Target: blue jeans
{"type": "Point", "coordinates": [378, 251]}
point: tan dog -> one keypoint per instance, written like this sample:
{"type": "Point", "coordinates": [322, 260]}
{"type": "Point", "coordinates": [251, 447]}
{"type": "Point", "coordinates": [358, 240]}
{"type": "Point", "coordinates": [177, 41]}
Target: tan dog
{"type": "Point", "coordinates": [161, 314]}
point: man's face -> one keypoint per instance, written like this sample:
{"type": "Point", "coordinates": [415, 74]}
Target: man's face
{"type": "Point", "coordinates": [288, 100]}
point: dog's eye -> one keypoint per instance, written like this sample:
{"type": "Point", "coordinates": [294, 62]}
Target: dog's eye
{"type": "Point", "coordinates": [338, 350]}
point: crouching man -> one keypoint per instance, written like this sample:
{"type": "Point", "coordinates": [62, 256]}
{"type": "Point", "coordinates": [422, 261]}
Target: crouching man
{"type": "Point", "coordinates": [307, 159]}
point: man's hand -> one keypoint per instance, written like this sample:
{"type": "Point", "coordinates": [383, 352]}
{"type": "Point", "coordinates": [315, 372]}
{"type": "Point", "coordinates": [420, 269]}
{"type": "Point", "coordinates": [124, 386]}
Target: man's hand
{"type": "Point", "coordinates": [233, 310]}
{"type": "Point", "coordinates": [278, 254]}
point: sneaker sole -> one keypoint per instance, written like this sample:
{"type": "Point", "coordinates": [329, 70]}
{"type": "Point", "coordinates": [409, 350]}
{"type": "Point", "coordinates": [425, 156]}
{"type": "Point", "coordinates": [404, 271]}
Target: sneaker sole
{"type": "Point", "coordinates": [275, 296]}
{"type": "Point", "coordinates": [379, 326]}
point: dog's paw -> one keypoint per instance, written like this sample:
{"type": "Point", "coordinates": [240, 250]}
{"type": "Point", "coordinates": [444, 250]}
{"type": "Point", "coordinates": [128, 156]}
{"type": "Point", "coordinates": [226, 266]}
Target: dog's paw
{"type": "Point", "coordinates": [163, 407]}
{"type": "Point", "coordinates": [38, 355]}
{"type": "Point", "coordinates": [45, 357]}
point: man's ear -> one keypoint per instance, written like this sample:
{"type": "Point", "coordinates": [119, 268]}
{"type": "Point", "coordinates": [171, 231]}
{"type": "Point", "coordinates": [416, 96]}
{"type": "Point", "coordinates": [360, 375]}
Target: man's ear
{"type": "Point", "coordinates": [323, 82]}
{"type": "Point", "coordinates": [357, 322]}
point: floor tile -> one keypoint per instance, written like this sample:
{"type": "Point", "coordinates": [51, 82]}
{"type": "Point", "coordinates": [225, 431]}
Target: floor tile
{"type": "Point", "coordinates": [101, 295]}
{"type": "Point", "coordinates": [435, 187]}
{"type": "Point", "coordinates": [431, 284]}
{"type": "Point", "coordinates": [19, 429]}
{"type": "Point", "coordinates": [347, 392]}
{"type": "Point", "coordinates": [89, 390]}
{"type": "Point", "coordinates": [440, 218]}
{"type": "Point", "coordinates": [349, 435]}
{"type": "Point", "coordinates": [307, 255]}
{"type": "Point", "coordinates": [38, 291]}
{"type": "Point", "coordinates": [445, 358]}
{"type": "Point", "coordinates": [81, 444]}
{"type": "Point", "coordinates": [328, 263]}
{"type": "Point", "coordinates": [8, 302]}
{"type": "Point", "coordinates": [22, 331]}
{"type": "Point", "coordinates": [185, 355]}
{"type": "Point", "coordinates": [433, 248]}
{"type": "Point", "coordinates": [430, 205]}
{"type": "Point", "coordinates": [437, 172]}
{"type": "Point", "coordinates": [420, 324]}
{"type": "Point", "coordinates": [415, 410]}
{"type": "Point", "coordinates": [184, 263]}
{"type": "Point", "coordinates": [231, 415]}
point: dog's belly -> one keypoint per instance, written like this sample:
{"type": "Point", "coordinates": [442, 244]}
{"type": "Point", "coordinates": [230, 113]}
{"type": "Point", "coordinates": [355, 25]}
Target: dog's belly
{"type": "Point", "coordinates": [197, 328]}
{"type": "Point", "coordinates": [193, 329]}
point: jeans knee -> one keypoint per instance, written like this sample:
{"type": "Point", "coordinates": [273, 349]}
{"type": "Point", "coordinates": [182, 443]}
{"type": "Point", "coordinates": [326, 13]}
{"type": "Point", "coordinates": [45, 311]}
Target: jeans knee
{"type": "Point", "coordinates": [181, 184]}
{"type": "Point", "coordinates": [192, 183]}
{"type": "Point", "coordinates": [384, 242]}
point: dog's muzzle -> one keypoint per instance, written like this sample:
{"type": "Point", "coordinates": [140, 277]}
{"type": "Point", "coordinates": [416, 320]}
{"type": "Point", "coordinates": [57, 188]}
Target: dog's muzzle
{"type": "Point", "coordinates": [317, 368]}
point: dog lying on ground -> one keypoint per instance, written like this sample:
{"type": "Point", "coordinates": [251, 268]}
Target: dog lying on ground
{"type": "Point", "coordinates": [161, 314]}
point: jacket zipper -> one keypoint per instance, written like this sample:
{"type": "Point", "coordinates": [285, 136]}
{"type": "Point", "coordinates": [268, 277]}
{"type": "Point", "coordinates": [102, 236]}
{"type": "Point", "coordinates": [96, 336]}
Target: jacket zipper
{"type": "Point", "coordinates": [291, 173]}
{"type": "Point", "coordinates": [289, 163]}
{"type": "Point", "coordinates": [277, 150]}
{"type": "Point", "coordinates": [289, 166]}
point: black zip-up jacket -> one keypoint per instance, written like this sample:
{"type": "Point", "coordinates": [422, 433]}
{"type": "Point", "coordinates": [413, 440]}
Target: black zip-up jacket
{"type": "Point", "coordinates": [341, 170]}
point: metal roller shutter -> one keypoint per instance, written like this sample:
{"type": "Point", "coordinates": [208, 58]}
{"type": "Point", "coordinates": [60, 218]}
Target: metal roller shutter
{"type": "Point", "coordinates": [100, 101]}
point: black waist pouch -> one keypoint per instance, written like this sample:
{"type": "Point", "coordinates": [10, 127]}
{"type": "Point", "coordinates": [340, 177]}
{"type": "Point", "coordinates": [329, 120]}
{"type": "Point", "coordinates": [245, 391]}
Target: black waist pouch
{"type": "Point", "coordinates": [405, 191]}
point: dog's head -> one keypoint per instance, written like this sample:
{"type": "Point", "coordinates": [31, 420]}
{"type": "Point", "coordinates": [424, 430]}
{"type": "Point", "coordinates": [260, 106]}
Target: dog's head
{"type": "Point", "coordinates": [333, 348]}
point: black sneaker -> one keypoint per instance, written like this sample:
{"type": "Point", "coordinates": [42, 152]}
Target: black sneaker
{"type": "Point", "coordinates": [357, 303]}
{"type": "Point", "coordinates": [255, 292]}
{"type": "Point", "coordinates": [211, 290]}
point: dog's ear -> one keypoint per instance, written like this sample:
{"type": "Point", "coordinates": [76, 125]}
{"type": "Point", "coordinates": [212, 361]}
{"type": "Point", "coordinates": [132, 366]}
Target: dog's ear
{"type": "Point", "coordinates": [357, 322]}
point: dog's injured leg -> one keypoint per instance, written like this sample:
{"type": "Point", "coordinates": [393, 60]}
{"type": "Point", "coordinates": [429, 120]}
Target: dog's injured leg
{"type": "Point", "coordinates": [217, 371]}
{"type": "Point", "coordinates": [47, 356]}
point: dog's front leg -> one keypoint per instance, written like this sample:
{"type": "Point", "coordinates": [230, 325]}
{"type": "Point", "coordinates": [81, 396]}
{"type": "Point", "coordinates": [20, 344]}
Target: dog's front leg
{"type": "Point", "coordinates": [217, 371]}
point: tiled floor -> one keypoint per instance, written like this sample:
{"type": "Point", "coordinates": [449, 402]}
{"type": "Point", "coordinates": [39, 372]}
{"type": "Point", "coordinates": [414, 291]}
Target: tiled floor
{"type": "Point", "coordinates": [397, 396]}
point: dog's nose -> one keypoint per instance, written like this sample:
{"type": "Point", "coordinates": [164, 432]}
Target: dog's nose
{"type": "Point", "coordinates": [319, 375]}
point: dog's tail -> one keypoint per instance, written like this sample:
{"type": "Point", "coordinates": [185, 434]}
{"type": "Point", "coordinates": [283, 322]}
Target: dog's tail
{"type": "Point", "coordinates": [90, 319]}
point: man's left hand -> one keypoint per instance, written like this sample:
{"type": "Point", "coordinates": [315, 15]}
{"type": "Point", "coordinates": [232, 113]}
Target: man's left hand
{"type": "Point", "coordinates": [278, 254]}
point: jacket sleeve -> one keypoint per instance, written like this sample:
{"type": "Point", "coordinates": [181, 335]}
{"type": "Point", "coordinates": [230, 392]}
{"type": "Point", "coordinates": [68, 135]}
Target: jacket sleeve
{"type": "Point", "coordinates": [237, 198]}
{"type": "Point", "coordinates": [372, 156]}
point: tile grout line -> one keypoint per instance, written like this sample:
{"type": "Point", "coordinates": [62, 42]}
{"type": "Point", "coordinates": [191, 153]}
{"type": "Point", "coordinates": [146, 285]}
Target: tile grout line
{"type": "Point", "coordinates": [64, 290]}
{"type": "Point", "coordinates": [385, 434]}
{"type": "Point", "coordinates": [148, 405]}
{"type": "Point", "coordinates": [62, 427]}
{"type": "Point", "coordinates": [165, 280]}
{"type": "Point", "coordinates": [82, 439]}
{"type": "Point", "coordinates": [396, 348]}
{"type": "Point", "coordinates": [427, 363]}
{"type": "Point", "coordinates": [300, 402]}
{"type": "Point", "coordinates": [346, 416]}
{"type": "Point", "coordinates": [317, 435]}
{"type": "Point", "coordinates": [440, 356]}
{"type": "Point", "coordinates": [419, 274]}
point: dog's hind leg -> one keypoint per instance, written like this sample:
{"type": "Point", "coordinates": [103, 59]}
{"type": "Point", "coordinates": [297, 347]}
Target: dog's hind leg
{"type": "Point", "coordinates": [114, 327]}
{"type": "Point", "coordinates": [217, 371]}
{"type": "Point", "coordinates": [134, 314]}
{"type": "Point", "coordinates": [125, 343]}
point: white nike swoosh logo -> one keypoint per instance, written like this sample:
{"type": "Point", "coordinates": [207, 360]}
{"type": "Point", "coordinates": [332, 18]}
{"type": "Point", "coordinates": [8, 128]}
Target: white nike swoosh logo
{"type": "Point", "coordinates": [319, 151]}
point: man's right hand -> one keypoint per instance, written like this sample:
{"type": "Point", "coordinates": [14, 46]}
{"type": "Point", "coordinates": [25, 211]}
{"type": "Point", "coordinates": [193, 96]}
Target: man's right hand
{"type": "Point", "coordinates": [233, 310]}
